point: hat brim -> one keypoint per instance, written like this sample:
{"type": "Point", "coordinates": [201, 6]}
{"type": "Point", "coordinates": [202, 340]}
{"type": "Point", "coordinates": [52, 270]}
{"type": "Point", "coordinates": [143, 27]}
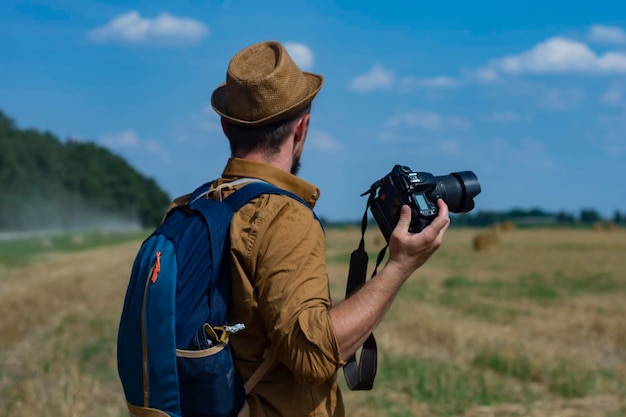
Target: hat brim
{"type": "Point", "coordinates": [218, 102]}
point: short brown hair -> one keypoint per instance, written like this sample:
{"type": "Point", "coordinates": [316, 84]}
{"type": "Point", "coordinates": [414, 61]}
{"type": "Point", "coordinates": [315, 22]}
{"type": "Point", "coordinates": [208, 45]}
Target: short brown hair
{"type": "Point", "coordinates": [269, 138]}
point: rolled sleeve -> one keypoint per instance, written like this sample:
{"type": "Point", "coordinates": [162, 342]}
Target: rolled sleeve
{"type": "Point", "coordinates": [316, 327]}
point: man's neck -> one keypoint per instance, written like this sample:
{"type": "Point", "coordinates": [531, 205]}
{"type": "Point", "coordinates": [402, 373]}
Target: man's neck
{"type": "Point", "coordinates": [282, 160]}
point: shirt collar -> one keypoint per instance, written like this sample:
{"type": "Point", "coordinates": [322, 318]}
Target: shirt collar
{"type": "Point", "coordinates": [245, 168]}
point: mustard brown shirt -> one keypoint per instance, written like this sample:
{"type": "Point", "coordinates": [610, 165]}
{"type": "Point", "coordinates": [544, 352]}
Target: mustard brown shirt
{"type": "Point", "coordinates": [280, 292]}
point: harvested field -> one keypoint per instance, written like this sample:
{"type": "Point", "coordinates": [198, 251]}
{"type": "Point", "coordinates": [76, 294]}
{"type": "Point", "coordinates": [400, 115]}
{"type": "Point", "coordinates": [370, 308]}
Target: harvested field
{"type": "Point", "coordinates": [536, 327]}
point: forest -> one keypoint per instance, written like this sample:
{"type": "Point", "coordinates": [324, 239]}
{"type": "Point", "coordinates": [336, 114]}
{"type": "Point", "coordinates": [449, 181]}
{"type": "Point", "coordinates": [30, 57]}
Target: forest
{"type": "Point", "coordinates": [48, 184]}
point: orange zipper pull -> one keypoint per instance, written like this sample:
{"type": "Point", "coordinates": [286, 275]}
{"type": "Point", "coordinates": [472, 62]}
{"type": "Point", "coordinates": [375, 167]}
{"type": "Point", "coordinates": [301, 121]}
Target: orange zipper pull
{"type": "Point", "coordinates": [156, 268]}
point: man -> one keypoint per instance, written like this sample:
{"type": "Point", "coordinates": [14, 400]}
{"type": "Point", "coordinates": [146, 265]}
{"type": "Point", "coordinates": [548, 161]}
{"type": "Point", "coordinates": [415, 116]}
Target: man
{"type": "Point", "coordinates": [279, 280]}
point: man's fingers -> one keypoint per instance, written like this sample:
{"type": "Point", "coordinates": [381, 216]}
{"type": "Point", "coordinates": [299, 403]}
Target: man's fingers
{"type": "Point", "coordinates": [405, 218]}
{"type": "Point", "coordinates": [439, 224]}
{"type": "Point", "coordinates": [443, 207]}
{"type": "Point", "coordinates": [442, 220]}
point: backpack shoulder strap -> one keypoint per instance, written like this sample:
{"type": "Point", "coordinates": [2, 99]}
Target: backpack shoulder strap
{"type": "Point", "coordinates": [256, 189]}
{"type": "Point", "coordinates": [243, 195]}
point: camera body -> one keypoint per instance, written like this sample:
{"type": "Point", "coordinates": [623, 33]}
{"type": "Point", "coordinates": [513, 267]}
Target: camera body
{"type": "Point", "coordinates": [420, 191]}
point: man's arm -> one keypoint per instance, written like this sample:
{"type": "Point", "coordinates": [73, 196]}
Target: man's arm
{"type": "Point", "coordinates": [355, 318]}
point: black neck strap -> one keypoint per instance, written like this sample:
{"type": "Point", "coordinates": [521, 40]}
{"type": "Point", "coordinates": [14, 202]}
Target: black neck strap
{"type": "Point", "coordinates": [360, 375]}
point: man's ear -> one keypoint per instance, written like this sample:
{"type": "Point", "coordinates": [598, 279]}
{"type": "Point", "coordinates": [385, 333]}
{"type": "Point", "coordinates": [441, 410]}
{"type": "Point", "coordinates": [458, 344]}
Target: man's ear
{"type": "Point", "coordinates": [301, 128]}
{"type": "Point", "coordinates": [224, 126]}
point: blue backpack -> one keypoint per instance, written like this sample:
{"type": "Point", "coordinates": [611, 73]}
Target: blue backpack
{"type": "Point", "coordinates": [173, 353]}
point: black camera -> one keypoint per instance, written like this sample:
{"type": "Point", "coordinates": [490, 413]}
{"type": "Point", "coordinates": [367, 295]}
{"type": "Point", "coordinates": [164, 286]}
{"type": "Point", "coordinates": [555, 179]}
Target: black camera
{"type": "Point", "coordinates": [420, 191]}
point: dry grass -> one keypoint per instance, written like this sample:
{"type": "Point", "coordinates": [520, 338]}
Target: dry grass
{"type": "Point", "coordinates": [535, 328]}
{"type": "Point", "coordinates": [58, 321]}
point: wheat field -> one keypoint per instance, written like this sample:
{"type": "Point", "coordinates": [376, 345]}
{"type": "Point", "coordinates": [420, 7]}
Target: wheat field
{"type": "Point", "coordinates": [533, 326]}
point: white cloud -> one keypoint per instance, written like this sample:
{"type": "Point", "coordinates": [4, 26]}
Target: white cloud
{"type": "Point", "coordinates": [411, 83]}
{"type": "Point", "coordinates": [528, 153]}
{"type": "Point", "coordinates": [615, 95]}
{"type": "Point", "coordinates": [504, 117]}
{"type": "Point", "coordinates": [322, 141]}
{"type": "Point", "coordinates": [421, 119]}
{"type": "Point", "coordinates": [449, 147]}
{"type": "Point", "coordinates": [129, 140]}
{"type": "Point", "coordinates": [164, 29]}
{"type": "Point", "coordinates": [428, 121]}
{"type": "Point", "coordinates": [124, 139]}
{"type": "Point", "coordinates": [388, 136]}
{"type": "Point", "coordinates": [484, 75]}
{"type": "Point", "coordinates": [301, 55]}
{"type": "Point", "coordinates": [199, 127]}
{"type": "Point", "coordinates": [561, 99]}
{"type": "Point", "coordinates": [378, 78]}
{"type": "Point", "coordinates": [559, 56]}
{"type": "Point", "coordinates": [607, 35]}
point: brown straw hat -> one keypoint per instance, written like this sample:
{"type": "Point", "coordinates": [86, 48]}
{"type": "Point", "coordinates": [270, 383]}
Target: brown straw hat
{"type": "Point", "coordinates": [263, 85]}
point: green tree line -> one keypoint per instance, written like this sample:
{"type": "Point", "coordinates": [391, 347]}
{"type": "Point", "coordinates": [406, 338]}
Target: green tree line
{"type": "Point", "coordinates": [48, 183]}
{"type": "Point", "coordinates": [538, 217]}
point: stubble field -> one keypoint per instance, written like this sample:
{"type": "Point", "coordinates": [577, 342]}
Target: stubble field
{"type": "Point", "coordinates": [533, 327]}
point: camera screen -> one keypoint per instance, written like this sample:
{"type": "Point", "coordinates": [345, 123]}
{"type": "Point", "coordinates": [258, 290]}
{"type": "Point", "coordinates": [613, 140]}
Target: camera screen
{"type": "Point", "coordinates": [421, 201]}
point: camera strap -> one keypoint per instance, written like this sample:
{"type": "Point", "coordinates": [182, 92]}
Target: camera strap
{"type": "Point", "coordinates": [360, 375]}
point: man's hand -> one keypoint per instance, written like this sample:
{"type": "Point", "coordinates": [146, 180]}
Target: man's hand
{"type": "Point", "coordinates": [409, 251]}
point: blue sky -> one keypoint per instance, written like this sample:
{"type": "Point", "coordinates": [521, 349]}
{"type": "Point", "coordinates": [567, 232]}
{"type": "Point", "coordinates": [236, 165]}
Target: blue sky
{"type": "Point", "coordinates": [531, 96]}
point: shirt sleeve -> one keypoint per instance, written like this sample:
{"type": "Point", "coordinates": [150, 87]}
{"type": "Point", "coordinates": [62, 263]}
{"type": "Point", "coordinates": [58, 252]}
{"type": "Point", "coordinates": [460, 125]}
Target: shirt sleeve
{"type": "Point", "coordinates": [288, 264]}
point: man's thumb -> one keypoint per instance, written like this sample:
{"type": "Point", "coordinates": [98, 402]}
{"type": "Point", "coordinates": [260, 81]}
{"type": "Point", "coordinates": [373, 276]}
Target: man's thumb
{"type": "Point", "coordinates": [405, 218]}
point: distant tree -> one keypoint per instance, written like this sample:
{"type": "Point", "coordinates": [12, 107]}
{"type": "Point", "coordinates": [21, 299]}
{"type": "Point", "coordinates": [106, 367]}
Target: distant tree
{"type": "Point", "coordinates": [518, 213]}
{"type": "Point", "coordinates": [618, 217]}
{"type": "Point", "coordinates": [486, 218]}
{"type": "Point", "coordinates": [564, 217]}
{"type": "Point", "coordinates": [588, 215]}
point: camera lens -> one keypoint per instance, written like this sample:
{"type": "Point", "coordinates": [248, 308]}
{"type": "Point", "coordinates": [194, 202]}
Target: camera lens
{"type": "Point", "coordinates": [458, 190]}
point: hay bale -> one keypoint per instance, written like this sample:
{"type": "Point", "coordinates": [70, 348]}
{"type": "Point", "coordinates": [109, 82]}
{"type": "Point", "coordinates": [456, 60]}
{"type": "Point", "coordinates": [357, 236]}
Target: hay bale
{"type": "Point", "coordinates": [598, 227]}
{"type": "Point", "coordinates": [602, 226]}
{"type": "Point", "coordinates": [506, 226]}
{"type": "Point", "coordinates": [486, 240]}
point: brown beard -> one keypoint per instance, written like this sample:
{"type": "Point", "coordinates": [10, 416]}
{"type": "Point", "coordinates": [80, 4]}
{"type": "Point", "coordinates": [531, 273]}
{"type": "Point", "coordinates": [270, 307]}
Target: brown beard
{"type": "Point", "coordinates": [295, 166]}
